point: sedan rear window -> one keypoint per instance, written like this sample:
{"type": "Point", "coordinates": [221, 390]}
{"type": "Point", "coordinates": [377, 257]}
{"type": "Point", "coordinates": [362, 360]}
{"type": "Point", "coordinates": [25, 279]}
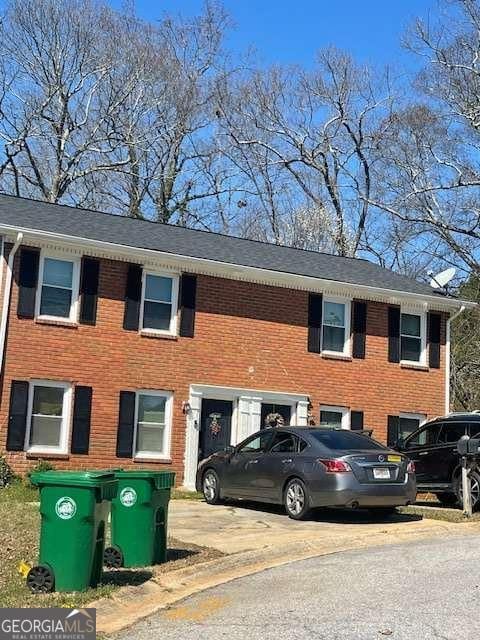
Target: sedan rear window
{"type": "Point", "coordinates": [339, 440]}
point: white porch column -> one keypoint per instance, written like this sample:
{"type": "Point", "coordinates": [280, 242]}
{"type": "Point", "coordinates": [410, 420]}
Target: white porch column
{"type": "Point", "coordinates": [302, 413]}
{"type": "Point", "coordinates": [192, 435]}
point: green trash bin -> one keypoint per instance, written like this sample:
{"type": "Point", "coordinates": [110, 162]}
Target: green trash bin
{"type": "Point", "coordinates": [74, 509]}
{"type": "Point", "coordinates": [139, 519]}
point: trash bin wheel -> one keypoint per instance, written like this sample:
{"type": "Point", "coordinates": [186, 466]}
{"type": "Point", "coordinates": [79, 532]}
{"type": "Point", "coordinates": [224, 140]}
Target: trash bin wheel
{"type": "Point", "coordinates": [112, 558]}
{"type": "Point", "coordinates": [40, 579]}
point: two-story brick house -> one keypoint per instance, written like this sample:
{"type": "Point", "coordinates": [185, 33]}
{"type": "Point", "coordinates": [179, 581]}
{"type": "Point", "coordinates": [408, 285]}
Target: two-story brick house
{"type": "Point", "coordinates": [124, 342]}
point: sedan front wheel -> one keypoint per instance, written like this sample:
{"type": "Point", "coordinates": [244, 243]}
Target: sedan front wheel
{"type": "Point", "coordinates": [296, 500]}
{"type": "Point", "coordinates": [211, 487]}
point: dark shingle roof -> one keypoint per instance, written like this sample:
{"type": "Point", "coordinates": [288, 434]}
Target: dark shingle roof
{"type": "Point", "coordinates": [94, 225]}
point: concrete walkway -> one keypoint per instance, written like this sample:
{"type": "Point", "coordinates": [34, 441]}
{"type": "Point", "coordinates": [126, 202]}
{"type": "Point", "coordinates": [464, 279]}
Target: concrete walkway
{"type": "Point", "coordinates": [255, 538]}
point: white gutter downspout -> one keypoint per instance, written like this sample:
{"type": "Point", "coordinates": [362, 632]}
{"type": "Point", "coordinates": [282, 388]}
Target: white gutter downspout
{"type": "Point", "coordinates": [447, 358]}
{"type": "Point", "coordinates": [7, 289]}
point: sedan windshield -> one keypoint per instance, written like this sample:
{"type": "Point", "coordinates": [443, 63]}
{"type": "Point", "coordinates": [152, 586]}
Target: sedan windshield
{"type": "Point", "coordinates": [341, 440]}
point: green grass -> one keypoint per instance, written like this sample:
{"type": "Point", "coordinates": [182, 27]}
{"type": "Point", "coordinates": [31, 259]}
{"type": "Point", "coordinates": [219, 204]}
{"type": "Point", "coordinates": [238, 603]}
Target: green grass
{"type": "Point", "coordinates": [19, 491]}
{"type": "Point", "coordinates": [447, 515]}
{"type": "Point", "coordinates": [186, 495]}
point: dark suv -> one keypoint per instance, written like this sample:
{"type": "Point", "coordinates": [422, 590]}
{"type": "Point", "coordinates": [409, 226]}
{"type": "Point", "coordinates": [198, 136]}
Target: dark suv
{"type": "Point", "coordinates": [437, 464]}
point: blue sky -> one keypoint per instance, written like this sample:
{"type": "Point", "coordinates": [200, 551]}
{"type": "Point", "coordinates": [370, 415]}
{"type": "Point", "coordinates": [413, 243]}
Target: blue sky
{"type": "Point", "coordinates": [291, 31]}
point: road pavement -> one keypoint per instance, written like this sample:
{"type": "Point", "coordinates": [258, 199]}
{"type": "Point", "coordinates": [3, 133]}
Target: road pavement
{"type": "Point", "coordinates": [417, 591]}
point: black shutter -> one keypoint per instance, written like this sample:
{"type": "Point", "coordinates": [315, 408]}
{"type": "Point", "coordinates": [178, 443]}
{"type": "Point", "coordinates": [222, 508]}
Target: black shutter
{"type": "Point", "coordinates": [393, 430]}
{"type": "Point", "coordinates": [133, 294]}
{"type": "Point", "coordinates": [27, 282]}
{"type": "Point", "coordinates": [188, 295]}
{"type": "Point", "coordinates": [434, 325]}
{"type": "Point", "coordinates": [315, 322]}
{"type": "Point", "coordinates": [126, 420]}
{"type": "Point", "coordinates": [359, 328]}
{"type": "Point", "coordinates": [82, 411]}
{"type": "Point", "coordinates": [356, 420]}
{"type": "Point", "coordinates": [394, 334]}
{"type": "Point", "coordinates": [89, 290]}
{"type": "Point", "coordinates": [17, 417]}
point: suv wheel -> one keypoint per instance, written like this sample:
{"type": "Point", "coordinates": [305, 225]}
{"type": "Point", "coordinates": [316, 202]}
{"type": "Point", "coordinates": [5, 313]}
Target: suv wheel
{"type": "Point", "coordinates": [475, 489]}
{"type": "Point", "coordinates": [296, 499]}
{"type": "Point", "coordinates": [211, 487]}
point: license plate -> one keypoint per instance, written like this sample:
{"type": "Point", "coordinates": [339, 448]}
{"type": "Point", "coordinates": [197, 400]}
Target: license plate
{"type": "Point", "coordinates": [381, 474]}
{"type": "Point", "coordinates": [394, 458]}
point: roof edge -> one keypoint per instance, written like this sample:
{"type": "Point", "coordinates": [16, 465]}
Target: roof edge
{"type": "Point", "coordinates": [234, 270]}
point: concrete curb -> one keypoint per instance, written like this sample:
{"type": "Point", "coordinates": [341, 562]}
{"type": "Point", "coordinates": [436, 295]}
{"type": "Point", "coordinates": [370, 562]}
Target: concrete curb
{"type": "Point", "coordinates": [131, 604]}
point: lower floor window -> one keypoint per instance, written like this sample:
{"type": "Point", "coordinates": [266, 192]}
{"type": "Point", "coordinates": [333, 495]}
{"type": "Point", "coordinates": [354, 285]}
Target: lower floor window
{"type": "Point", "coordinates": [408, 423]}
{"type": "Point", "coordinates": [48, 419]}
{"type": "Point", "coordinates": [337, 417]}
{"type": "Point", "coordinates": [153, 424]}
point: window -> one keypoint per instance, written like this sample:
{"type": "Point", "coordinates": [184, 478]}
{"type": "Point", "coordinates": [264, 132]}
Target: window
{"type": "Point", "coordinates": [426, 437]}
{"type": "Point", "coordinates": [408, 423]}
{"type": "Point", "coordinates": [335, 326]}
{"type": "Point", "coordinates": [344, 440]}
{"type": "Point", "coordinates": [412, 337]}
{"type": "Point", "coordinates": [338, 417]}
{"type": "Point", "coordinates": [58, 283]}
{"type": "Point", "coordinates": [451, 432]}
{"type": "Point", "coordinates": [48, 417]}
{"type": "Point", "coordinates": [284, 443]}
{"type": "Point", "coordinates": [153, 424]}
{"type": "Point", "coordinates": [257, 444]}
{"type": "Point", "coordinates": [159, 303]}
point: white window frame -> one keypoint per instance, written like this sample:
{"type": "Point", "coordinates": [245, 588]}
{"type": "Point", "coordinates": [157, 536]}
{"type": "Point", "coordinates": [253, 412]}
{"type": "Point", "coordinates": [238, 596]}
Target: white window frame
{"type": "Point", "coordinates": [421, 417]}
{"type": "Point", "coordinates": [345, 411]}
{"type": "Point", "coordinates": [73, 315]}
{"type": "Point", "coordinates": [423, 336]}
{"type": "Point", "coordinates": [155, 455]}
{"type": "Point", "coordinates": [66, 417]}
{"type": "Point", "coordinates": [172, 330]}
{"type": "Point", "coordinates": [347, 348]}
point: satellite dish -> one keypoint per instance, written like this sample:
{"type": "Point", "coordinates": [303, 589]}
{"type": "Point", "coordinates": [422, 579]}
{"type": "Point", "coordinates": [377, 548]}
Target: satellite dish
{"type": "Point", "coordinates": [443, 278]}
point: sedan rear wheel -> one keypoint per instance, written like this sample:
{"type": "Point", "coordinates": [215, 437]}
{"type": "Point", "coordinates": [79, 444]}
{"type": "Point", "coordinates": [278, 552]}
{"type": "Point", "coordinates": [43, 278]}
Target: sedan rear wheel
{"type": "Point", "coordinates": [296, 500]}
{"type": "Point", "coordinates": [211, 487]}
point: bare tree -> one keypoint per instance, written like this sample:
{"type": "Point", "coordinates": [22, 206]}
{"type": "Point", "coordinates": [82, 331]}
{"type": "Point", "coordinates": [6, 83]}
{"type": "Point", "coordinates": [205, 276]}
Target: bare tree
{"type": "Point", "coordinates": [430, 171]}
{"type": "Point", "coordinates": [320, 129]}
{"type": "Point", "coordinates": [102, 109]}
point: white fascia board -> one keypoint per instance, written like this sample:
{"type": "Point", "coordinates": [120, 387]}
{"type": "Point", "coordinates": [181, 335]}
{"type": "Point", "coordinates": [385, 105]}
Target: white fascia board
{"type": "Point", "coordinates": [178, 262]}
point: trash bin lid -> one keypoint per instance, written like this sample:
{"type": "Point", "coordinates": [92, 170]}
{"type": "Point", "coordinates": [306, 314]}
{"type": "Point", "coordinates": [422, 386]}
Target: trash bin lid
{"type": "Point", "coordinates": [72, 478]}
{"type": "Point", "coordinates": [161, 479]}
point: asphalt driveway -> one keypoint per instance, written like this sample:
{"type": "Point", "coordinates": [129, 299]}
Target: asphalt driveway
{"type": "Point", "coordinates": [426, 590]}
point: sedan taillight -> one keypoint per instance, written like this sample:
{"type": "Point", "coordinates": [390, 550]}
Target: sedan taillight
{"type": "Point", "coordinates": [411, 467]}
{"type": "Point", "coordinates": [335, 466]}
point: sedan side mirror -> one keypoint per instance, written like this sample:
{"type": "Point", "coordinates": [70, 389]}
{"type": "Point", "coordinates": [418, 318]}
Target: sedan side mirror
{"type": "Point", "coordinates": [230, 449]}
{"type": "Point", "coordinates": [400, 444]}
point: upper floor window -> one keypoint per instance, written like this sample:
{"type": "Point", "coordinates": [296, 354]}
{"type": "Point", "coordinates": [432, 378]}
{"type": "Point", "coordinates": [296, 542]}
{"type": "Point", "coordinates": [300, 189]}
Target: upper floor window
{"type": "Point", "coordinates": [336, 326]}
{"type": "Point", "coordinates": [48, 417]}
{"type": "Point", "coordinates": [159, 303]}
{"type": "Point", "coordinates": [58, 283]}
{"type": "Point", "coordinates": [153, 424]}
{"type": "Point", "coordinates": [413, 338]}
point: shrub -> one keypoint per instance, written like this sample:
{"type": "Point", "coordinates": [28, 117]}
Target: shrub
{"type": "Point", "coordinates": [42, 465]}
{"type": "Point", "coordinates": [6, 473]}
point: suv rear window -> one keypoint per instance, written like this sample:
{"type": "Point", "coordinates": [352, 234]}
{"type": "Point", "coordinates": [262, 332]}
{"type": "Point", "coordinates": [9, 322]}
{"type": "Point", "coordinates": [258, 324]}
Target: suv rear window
{"type": "Point", "coordinates": [339, 440]}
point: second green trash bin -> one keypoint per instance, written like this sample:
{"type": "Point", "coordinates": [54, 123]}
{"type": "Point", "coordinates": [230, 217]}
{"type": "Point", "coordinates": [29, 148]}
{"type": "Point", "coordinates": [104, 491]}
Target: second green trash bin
{"type": "Point", "coordinates": [139, 519]}
{"type": "Point", "coordinates": [74, 508]}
